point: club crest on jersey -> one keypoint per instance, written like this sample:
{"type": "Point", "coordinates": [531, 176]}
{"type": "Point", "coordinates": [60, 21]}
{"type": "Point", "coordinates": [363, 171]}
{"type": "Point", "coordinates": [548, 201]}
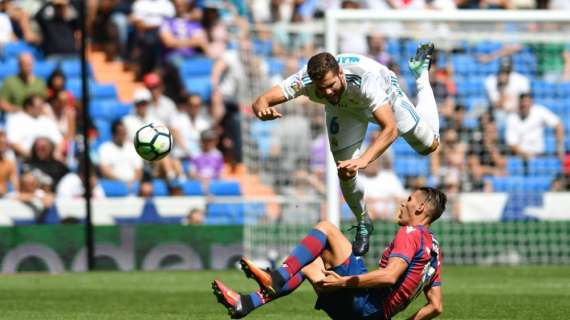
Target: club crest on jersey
{"type": "Point", "coordinates": [410, 229]}
{"type": "Point", "coordinates": [296, 85]}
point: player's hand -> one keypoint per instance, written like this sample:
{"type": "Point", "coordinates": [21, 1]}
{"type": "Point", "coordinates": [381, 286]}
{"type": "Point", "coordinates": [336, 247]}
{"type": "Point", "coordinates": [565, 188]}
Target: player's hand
{"type": "Point", "coordinates": [348, 168]}
{"type": "Point", "coordinates": [269, 113]}
{"type": "Point", "coordinates": [331, 280]}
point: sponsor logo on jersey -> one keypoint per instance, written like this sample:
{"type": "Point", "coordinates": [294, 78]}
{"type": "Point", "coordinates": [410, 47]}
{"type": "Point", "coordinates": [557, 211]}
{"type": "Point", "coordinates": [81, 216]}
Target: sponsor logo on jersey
{"type": "Point", "coordinates": [296, 85]}
{"type": "Point", "coordinates": [410, 229]}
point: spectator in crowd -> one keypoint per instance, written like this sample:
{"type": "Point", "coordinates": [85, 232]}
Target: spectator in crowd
{"type": "Point", "coordinates": [20, 26]}
{"type": "Point", "coordinates": [443, 84]}
{"type": "Point", "coordinates": [6, 32]}
{"type": "Point", "coordinates": [208, 164]}
{"type": "Point", "coordinates": [16, 89]}
{"type": "Point", "coordinates": [71, 186]}
{"type": "Point", "coordinates": [376, 42]}
{"type": "Point", "coordinates": [24, 127]}
{"type": "Point", "coordinates": [187, 125]}
{"type": "Point", "coordinates": [134, 121]}
{"type": "Point", "coordinates": [448, 165]}
{"type": "Point", "coordinates": [215, 28]}
{"type": "Point", "coordinates": [161, 108]}
{"type": "Point", "coordinates": [504, 88]}
{"type": "Point", "coordinates": [553, 59]}
{"type": "Point", "coordinates": [55, 84]}
{"type": "Point", "coordinates": [33, 196]}
{"type": "Point", "coordinates": [485, 156]}
{"type": "Point", "coordinates": [181, 37]}
{"type": "Point", "coordinates": [292, 44]}
{"type": "Point", "coordinates": [457, 122]}
{"type": "Point", "coordinates": [351, 41]}
{"type": "Point", "coordinates": [118, 159]}
{"type": "Point", "coordinates": [196, 216]}
{"type": "Point", "coordinates": [147, 17]}
{"type": "Point", "coordinates": [290, 145]}
{"type": "Point", "coordinates": [105, 33]}
{"type": "Point", "coordinates": [525, 129]}
{"type": "Point", "coordinates": [42, 163]}
{"type": "Point", "coordinates": [384, 190]}
{"type": "Point", "coordinates": [562, 181]}
{"type": "Point", "coordinates": [8, 167]}
{"type": "Point", "coordinates": [59, 25]}
{"type": "Point", "coordinates": [64, 115]}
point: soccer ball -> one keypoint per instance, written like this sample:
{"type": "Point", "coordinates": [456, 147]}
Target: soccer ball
{"type": "Point", "coordinates": [153, 141]}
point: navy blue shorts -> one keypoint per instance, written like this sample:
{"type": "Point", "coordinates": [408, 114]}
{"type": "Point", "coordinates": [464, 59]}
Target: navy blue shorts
{"type": "Point", "coordinates": [351, 303]}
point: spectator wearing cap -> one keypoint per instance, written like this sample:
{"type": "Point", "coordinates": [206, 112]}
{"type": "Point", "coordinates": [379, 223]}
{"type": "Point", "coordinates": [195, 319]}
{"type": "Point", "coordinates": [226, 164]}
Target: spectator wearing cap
{"type": "Point", "coordinates": [161, 108]}
{"type": "Point", "coordinates": [19, 87]}
{"type": "Point", "coordinates": [23, 128]}
{"type": "Point", "coordinates": [504, 88]}
{"type": "Point", "coordinates": [140, 117]}
{"type": "Point", "coordinates": [187, 125]}
{"type": "Point", "coordinates": [6, 32]}
{"type": "Point", "coordinates": [207, 165]}
{"type": "Point", "coordinates": [59, 24]}
{"type": "Point", "coordinates": [525, 129]}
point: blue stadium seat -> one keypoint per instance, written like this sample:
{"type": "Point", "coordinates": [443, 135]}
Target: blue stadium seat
{"type": "Point", "coordinates": [72, 69]}
{"type": "Point", "coordinates": [276, 66]}
{"type": "Point", "coordinates": [224, 188]}
{"type": "Point", "coordinates": [263, 48]}
{"type": "Point", "coordinates": [43, 69]}
{"type": "Point", "coordinates": [463, 64]}
{"type": "Point", "coordinates": [8, 69]}
{"type": "Point", "coordinates": [114, 188]}
{"type": "Point", "coordinates": [159, 188]}
{"type": "Point", "coordinates": [192, 188]}
{"type": "Point", "coordinates": [515, 166]}
{"type": "Point", "coordinates": [197, 67]}
{"type": "Point", "coordinates": [103, 91]}
{"type": "Point", "coordinates": [402, 149]}
{"type": "Point", "coordinates": [199, 85]}
{"type": "Point", "coordinates": [411, 166]}
{"type": "Point", "coordinates": [228, 213]}
{"type": "Point", "coordinates": [544, 166]}
{"type": "Point", "coordinates": [521, 183]}
{"type": "Point", "coordinates": [103, 129]}
{"type": "Point", "coordinates": [14, 49]}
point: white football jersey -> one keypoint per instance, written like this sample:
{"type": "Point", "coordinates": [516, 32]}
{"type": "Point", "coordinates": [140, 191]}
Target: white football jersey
{"type": "Point", "coordinates": [368, 86]}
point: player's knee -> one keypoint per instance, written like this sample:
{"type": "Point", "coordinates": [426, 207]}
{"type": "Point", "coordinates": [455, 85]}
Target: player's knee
{"type": "Point", "coordinates": [438, 309]}
{"type": "Point", "coordinates": [325, 227]}
{"type": "Point", "coordinates": [431, 149]}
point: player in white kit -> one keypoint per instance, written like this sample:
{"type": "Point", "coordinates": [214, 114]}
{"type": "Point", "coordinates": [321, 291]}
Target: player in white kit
{"type": "Point", "coordinates": [356, 90]}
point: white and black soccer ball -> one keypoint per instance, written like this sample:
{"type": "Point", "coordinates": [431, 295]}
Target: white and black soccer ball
{"type": "Point", "coordinates": [153, 141]}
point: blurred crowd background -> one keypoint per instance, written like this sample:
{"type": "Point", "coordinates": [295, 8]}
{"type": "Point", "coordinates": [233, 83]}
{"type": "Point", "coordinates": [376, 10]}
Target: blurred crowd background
{"type": "Point", "coordinates": [196, 66]}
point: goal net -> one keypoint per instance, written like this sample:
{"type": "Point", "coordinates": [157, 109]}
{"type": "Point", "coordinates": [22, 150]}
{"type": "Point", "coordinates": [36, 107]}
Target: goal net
{"type": "Point", "coordinates": [506, 176]}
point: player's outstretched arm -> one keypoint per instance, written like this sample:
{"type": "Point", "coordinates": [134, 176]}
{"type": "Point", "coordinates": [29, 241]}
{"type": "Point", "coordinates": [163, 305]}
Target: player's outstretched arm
{"type": "Point", "coordinates": [383, 277]}
{"type": "Point", "coordinates": [433, 308]}
{"type": "Point", "coordinates": [263, 106]}
{"type": "Point", "coordinates": [385, 118]}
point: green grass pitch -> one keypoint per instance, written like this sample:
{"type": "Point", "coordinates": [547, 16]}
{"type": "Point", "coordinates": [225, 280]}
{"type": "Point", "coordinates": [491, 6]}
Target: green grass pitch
{"type": "Point", "coordinates": [469, 293]}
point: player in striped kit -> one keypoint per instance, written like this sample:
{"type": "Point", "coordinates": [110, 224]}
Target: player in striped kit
{"type": "Point", "coordinates": [357, 90]}
{"type": "Point", "coordinates": [411, 264]}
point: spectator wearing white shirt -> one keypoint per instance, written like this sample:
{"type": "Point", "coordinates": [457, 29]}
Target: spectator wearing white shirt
{"type": "Point", "coordinates": [384, 190]}
{"type": "Point", "coordinates": [525, 129]}
{"type": "Point", "coordinates": [118, 159]}
{"type": "Point", "coordinates": [23, 128]}
{"type": "Point", "coordinates": [504, 88]}
{"type": "Point", "coordinates": [140, 117]}
{"type": "Point", "coordinates": [187, 125]}
{"type": "Point", "coordinates": [71, 185]}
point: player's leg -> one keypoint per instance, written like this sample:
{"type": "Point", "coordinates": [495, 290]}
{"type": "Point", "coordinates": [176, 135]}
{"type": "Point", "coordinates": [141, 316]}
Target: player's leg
{"type": "Point", "coordinates": [426, 106]}
{"type": "Point", "coordinates": [345, 136]}
{"type": "Point", "coordinates": [325, 241]}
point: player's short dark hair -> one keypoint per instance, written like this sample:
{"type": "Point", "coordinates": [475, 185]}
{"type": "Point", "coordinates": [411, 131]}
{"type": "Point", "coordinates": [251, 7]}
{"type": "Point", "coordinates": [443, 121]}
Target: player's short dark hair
{"type": "Point", "coordinates": [115, 126]}
{"type": "Point", "coordinates": [436, 200]}
{"type": "Point", "coordinates": [320, 64]}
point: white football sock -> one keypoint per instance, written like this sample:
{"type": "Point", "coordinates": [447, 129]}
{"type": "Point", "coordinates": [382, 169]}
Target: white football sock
{"type": "Point", "coordinates": [426, 106]}
{"type": "Point", "coordinates": [353, 192]}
